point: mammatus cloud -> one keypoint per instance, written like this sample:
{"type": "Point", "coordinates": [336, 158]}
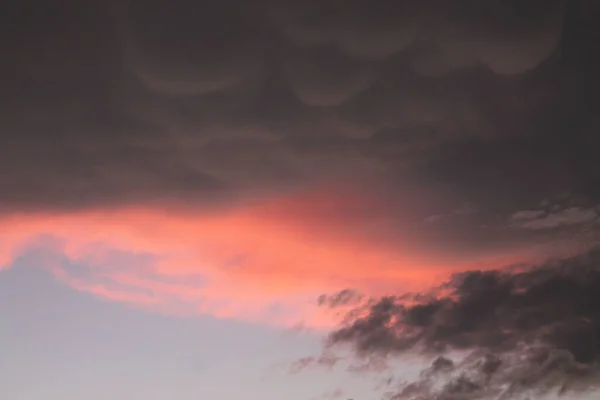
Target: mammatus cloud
{"type": "Point", "coordinates": [116, 118]}
{"type": "Point", "coordinates": [525, 330]}
{"type": "Point", "coordinates": [148, 101]}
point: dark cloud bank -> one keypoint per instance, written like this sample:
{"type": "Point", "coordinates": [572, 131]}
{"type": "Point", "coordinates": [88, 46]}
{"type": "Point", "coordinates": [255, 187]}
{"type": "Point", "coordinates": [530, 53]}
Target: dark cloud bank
{"type": "Point", "coordinates": [108, 102]}
{"type": "Point", "coordinates": [484, 108]}
{"type": "Point", "coordinates": [489, 107]}
{"type": "Point", "coordinates": [526, 331]}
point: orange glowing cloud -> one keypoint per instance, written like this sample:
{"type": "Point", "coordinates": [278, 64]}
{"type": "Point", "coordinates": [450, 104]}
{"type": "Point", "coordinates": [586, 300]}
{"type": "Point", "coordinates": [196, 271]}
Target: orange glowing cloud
{"type": "Point", "coordinates": [265, 261]}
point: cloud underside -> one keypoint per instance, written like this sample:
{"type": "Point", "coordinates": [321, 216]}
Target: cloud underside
{"type": "Point", "coordinates": [241, 158]}
{"type": "Point", "coordinates": [526, 331]}
{"type": "Point", "coordinates": [155, 102]}
{"type": "Point", "coordinates": [432, 108]}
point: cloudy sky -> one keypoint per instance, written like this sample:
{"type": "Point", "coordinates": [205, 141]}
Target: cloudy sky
{"type": "Point", "coordinates": [300, 199]}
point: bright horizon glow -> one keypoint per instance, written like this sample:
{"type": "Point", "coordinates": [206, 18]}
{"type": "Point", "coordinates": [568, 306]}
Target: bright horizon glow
{"type": "Point", "coordinates": [265, 262]}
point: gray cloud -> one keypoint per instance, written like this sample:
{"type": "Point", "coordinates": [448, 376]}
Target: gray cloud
{"type": "Point", "coordinates": [343, 298]}
{"type": "Point", "coordinates": [209, 103]}
{"type": "Point", "coordinates": [531, 372]}
{"type": "Point", "coordinates": [328, 360]}
{"type": "Point", "coordinates": [526, 215]}
{"type": "Point", "coordinates": [538, 324]}
{"type": "Point", "coordinates": [541, 220]}
{"type": "Point", "coordinates": [430, 105]}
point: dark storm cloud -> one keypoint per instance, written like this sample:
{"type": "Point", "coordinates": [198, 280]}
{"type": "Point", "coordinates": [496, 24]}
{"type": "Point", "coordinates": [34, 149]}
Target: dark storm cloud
{"type": "Point", "coordinates": [539, 325]}
{"type": "Point", "coordinates": [532, 372]}
{"type": "Point", "coordinates": [488, 104]}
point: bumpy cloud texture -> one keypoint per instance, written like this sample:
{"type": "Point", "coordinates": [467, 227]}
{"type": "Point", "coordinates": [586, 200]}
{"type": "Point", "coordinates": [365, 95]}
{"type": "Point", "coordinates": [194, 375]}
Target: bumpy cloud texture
{"type": "Point", "coordinates": [190, 122]}
{"type": "Point", "coordinates": [150, 101]}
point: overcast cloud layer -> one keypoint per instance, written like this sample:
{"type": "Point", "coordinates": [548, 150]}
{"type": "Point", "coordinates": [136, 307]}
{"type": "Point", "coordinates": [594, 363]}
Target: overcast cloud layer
{"type": "Point", "coordinates": [373, 144]}
{"type": "Point", "coordinates": [485, 110]}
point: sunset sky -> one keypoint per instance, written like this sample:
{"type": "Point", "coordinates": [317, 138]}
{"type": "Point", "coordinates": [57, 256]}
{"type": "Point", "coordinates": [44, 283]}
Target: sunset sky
{"type": "Point", "coordinates": [300, 200]}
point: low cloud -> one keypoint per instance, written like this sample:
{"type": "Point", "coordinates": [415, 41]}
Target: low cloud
{"type": "Point", "coordinates": [528, 372]}
{"type": "Point", "coordinates": [327, 360]}
{"type": "Point", "coordinates": [150, 102]}
{"type": "Point", "coordinates": [233, 111]}
{"type": "Point", "coordinates": [524, 329]}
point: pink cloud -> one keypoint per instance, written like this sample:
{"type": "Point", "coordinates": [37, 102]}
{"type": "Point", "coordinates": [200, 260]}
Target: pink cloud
{"type": "Point", "coordinates": [264, 262]}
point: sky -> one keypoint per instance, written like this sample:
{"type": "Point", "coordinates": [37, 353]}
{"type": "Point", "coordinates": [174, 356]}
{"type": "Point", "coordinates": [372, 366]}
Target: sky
{"type": "Point", "coordinates": [300, 200]}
